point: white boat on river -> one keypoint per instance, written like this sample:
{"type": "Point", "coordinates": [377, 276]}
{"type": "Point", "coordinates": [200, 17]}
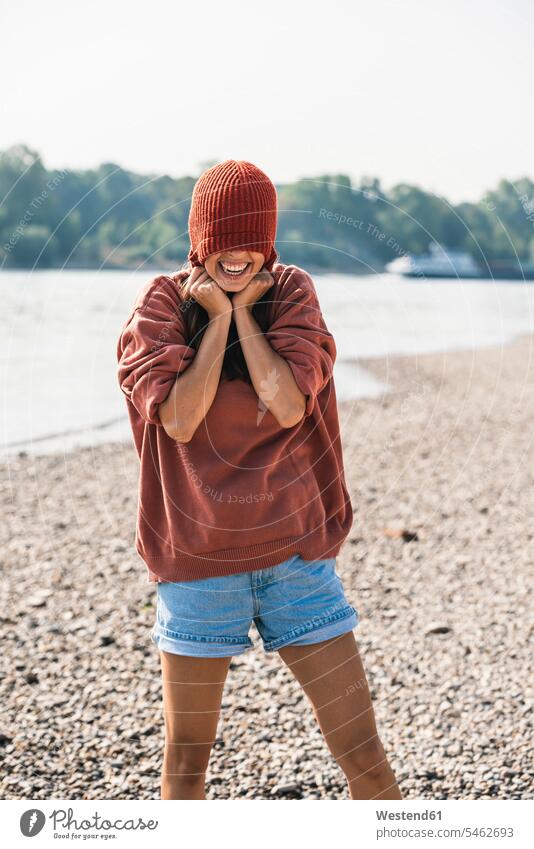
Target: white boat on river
{"type": "Point", "coordinates": [438, 262]}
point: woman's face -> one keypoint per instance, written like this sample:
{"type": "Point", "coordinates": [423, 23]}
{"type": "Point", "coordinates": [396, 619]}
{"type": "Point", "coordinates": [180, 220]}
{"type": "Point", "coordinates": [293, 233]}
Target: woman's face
{"type": "Point", "coordinates": [232, 270]}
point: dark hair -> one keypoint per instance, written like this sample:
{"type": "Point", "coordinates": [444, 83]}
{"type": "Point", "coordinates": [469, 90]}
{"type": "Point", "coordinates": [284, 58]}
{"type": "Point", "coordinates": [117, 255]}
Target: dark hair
{"type": "Point", "coordinates": [196, 320]}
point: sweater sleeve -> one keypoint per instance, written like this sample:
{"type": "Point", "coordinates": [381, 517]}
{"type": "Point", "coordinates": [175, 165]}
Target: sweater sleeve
{"type": "Point", "coordinates": [152, 350]}
{"type": "Point", "coordinates": [299, 334]}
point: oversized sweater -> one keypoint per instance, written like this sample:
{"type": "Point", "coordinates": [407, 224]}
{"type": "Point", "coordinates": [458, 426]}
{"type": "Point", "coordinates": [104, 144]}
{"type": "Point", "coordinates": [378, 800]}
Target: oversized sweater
{"type": "Point", "coordinates": [244, 493]}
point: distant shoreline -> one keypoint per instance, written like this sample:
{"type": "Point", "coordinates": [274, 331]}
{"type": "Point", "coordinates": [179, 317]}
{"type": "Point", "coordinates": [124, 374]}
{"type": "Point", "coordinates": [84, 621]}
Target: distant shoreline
{"type": "Point", "coordinates": [113, 218]}
{"type": "Point", "coordinates": [313, 269]}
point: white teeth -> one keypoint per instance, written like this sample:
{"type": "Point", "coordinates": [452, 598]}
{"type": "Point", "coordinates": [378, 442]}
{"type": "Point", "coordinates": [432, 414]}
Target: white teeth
{"type": "Point", "coordinates": [234, 268]}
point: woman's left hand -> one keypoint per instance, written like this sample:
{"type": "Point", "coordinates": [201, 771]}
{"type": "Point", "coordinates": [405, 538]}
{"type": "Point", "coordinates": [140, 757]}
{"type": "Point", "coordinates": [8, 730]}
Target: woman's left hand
{"type": "Point", "coordinates": [253, 291]}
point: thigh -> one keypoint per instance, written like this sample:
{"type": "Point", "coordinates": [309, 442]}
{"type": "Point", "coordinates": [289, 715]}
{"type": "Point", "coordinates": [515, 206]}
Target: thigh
{"type": "Point", "coordinates": [332, 676]}
{"type": "Point", "coordinates": [192, 693]}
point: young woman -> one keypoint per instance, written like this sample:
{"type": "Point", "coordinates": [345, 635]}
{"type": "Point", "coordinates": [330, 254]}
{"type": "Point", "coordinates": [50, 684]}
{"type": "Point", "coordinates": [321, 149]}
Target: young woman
{"type": "Point", "coordinates": [243, 506]}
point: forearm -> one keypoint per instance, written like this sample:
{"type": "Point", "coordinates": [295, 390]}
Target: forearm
{"type": "Point", "coordinates": [271, 375]}
{"type": "Point", "coordinates": [193, 391]}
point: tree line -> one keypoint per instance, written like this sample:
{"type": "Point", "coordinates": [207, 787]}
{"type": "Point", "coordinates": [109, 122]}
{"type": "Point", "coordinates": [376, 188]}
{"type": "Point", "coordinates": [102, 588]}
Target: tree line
{"type": "Point", "coordinates": [109, 217]}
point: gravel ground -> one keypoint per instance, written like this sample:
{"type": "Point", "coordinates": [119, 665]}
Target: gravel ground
{"type": "Point", "coordinates": [438, 564]}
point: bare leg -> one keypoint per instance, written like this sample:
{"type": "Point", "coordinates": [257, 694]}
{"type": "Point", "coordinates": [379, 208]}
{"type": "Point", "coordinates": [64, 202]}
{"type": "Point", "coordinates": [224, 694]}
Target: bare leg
{"type": "Point", "coordinates": [332, 676]}
{"type": "Point", "coordinates": [192, 692]}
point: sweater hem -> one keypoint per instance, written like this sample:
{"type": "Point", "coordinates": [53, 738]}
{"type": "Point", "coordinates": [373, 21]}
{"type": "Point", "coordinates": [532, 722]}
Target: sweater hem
{"type": "Point", "coordinates": [230, 561]}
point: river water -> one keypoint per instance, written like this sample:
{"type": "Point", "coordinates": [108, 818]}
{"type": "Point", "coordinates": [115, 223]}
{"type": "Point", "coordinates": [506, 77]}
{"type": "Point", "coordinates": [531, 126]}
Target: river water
{"type": "Point", "coordinates": [59, 332]}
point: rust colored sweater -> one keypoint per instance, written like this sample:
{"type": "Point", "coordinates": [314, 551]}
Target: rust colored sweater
{"type": "Point", "coordinates": [244, 493]}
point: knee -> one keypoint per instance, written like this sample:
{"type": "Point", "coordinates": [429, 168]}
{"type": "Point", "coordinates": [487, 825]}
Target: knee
{"type": "Point", "coordinates": [186, 761]}
{"type": "Point", "coordinates": [365, 759]}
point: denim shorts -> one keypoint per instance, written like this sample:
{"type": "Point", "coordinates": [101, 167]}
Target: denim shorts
{"type": "Point", "coordinates": [297, 602]}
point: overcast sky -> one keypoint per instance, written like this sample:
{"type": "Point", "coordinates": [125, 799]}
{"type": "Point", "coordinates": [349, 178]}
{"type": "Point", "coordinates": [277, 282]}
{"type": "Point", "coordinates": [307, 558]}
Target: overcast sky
{"type": "Point", "coordinates": [436, 92]}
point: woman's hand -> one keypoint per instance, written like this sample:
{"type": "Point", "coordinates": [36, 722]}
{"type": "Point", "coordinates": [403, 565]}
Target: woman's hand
{"type": "Point", "coordinates": [207, 293]}
{"type": "Point", "coordinates": [271, 375]}
{"type": "Point", "coordinates": [253, 291]}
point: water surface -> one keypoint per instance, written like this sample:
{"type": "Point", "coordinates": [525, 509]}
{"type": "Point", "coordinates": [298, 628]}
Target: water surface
{"type": "Point", "coordinates": [59, 332]}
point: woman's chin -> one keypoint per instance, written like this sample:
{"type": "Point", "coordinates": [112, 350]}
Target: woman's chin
{"type": "Point", "coordinates": [231, 287]}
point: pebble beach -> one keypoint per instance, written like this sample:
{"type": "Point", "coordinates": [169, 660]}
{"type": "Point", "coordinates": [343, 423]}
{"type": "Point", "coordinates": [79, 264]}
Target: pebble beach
{"type": "Point", "coordinates": [438, 563]}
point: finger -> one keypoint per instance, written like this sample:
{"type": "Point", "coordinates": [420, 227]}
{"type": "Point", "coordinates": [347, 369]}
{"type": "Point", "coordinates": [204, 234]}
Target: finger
{"type": "Point", "coordinates": [197, 271]}
{"type": "Point", "coordinates": [264, 278]}
{"type": "Point", "coordinates": [261, 286]}
{"type": "Point", "coordinates": [201, 279]}
{"type": "Point", "coordinates": [193, 277]}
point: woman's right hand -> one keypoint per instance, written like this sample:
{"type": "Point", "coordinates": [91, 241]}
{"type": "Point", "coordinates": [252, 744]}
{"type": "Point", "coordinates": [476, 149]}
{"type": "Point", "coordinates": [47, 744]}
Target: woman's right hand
{"type": "Point", "coordinates": [207, 293]}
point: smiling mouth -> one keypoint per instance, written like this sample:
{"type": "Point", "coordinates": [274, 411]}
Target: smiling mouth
{"type": "Point", "coordinates": [233, 269]}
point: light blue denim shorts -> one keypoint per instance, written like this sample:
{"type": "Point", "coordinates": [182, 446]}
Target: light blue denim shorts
{"type": "Point", "coordinates": [296, 602]}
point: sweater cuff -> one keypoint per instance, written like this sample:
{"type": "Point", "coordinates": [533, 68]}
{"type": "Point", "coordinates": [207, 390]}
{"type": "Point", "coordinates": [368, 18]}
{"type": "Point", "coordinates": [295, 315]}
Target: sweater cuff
{"type": "Point", "coordinates": [305, 383]}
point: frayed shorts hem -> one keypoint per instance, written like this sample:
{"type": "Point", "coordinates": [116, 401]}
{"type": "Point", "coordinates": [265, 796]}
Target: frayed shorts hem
{"type": "Point", "coordinates": [197, 646]}
{"type": "Point", "coordinates": [305, 635]}
{"type": "Point", "coordinates": [174, 643]}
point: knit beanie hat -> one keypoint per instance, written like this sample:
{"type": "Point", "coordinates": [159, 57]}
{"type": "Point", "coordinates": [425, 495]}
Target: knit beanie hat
{"type": "Point", "coordinates": [234, 206]}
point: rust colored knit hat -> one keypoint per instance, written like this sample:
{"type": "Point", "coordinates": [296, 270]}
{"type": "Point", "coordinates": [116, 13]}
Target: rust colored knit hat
{"type": "Point", "coordinates": [234, 205]}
